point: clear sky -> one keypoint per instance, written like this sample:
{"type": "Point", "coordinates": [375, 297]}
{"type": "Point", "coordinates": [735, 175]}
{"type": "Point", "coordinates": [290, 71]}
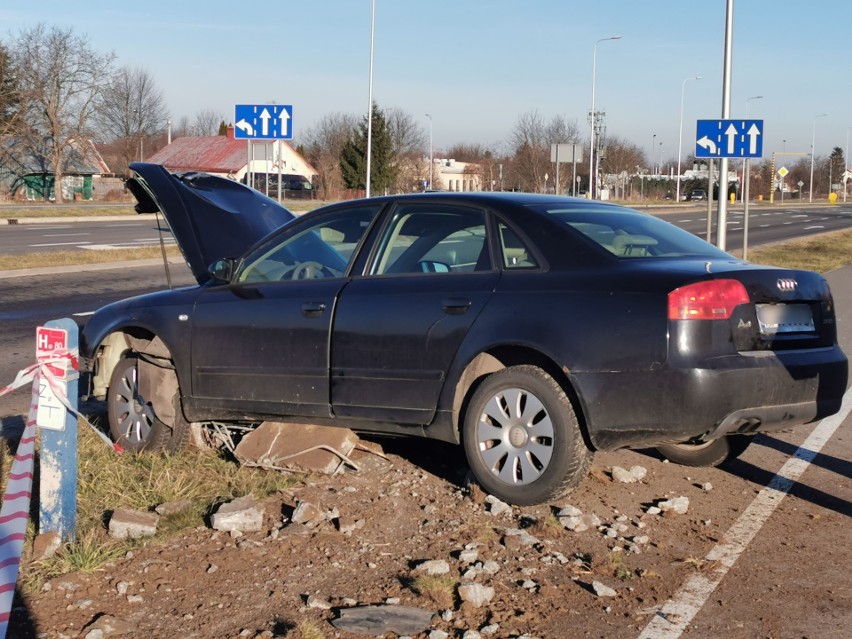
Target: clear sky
{"type": "Point", "coordinates": [476, 65]}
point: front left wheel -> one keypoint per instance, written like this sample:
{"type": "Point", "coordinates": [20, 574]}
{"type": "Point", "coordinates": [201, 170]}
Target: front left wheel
{"type": "Point", "coordinates": [522, 439]}
{"type": "Point", "coordinates": [133, 422]}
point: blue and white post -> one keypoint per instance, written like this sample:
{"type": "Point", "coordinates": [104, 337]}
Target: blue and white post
{"type": "Point", "coordinates": [58, 342]}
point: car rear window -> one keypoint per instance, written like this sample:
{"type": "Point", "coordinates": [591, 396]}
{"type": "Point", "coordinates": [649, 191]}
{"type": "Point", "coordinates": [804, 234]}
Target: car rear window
{"type": "Point", "coordinates": [629, 234]}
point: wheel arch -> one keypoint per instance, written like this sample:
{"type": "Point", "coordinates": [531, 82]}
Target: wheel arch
{"type": "Point", "coordinates": [116, 345]}
{"type": "Point", "coordinates": [504, 356]}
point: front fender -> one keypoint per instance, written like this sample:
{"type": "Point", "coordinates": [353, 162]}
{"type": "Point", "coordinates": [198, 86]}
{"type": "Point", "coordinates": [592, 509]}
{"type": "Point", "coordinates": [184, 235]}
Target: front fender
{"type": "Point", "coordinates": [134, 324]}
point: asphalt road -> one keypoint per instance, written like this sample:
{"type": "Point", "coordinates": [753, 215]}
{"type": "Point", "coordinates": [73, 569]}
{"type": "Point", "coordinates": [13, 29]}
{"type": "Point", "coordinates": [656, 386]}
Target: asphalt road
{"type": "Point", "coordinates": [79, 233]}
{"type": "Point", "coordinates": [767, 224]}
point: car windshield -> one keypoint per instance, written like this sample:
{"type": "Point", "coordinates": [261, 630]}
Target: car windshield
{"type": "Point", "coordinates": [629, 234]}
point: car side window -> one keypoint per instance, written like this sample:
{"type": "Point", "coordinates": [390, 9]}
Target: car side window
{"type": "Point", "coordinates": [423, 239]}
{"type": "Point", "coordinates": [516, 255]}
{"type": "Point", "coordinates": [322, 249]}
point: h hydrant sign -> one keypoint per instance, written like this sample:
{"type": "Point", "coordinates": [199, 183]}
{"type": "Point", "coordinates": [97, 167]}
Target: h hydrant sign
{"type": "Point", "coordinates": [49, 343]}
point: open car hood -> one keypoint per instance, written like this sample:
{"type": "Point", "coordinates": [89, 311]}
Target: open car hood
{"type": "Point", "coordinates": [211, 217]}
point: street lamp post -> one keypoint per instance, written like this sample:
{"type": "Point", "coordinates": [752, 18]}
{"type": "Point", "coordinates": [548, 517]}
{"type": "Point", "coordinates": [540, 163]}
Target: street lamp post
{"type": "Point", "coordinates": [370, 97]}
{"type": "Point", "coordinates": [592, 172]}
{"type": "Point", "coordinates": [745, 189]}
{"type": "Point", "coordinates": [651, 154]}
{"type": "Point", "coordinates": [680, 134]}
{"type": "Point", "coordinates": [745, 160]}
{"type": "Point", "coordinates": [431, 165]}
{"type": "Point", "coordinates": [813, 151]}
{"type": "Point", "coordinates": [846, 163]}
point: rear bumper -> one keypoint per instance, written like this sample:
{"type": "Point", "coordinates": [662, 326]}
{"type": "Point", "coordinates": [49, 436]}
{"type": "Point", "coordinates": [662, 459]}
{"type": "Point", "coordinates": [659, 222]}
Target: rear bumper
{"type": "Point", "coordinates": [742, 393]}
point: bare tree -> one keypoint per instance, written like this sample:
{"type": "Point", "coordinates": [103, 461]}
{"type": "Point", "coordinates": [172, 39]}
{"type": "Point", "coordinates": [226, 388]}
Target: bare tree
{"type": "Point", "coordinates": [530, 141]}
{"type": "Point", "coordinates": [60, 79]}
{"type": "Point", "coordinates": [619, 160]}
{"type": "Point", "coordinates": [9, 97]}
{"type": "Point", "coordinates": [323, 144]}
{"type": "Point", "coordinates": [131, 111]}
{"type": "Point", "coordinates": [410, 145]}
{"type": "Point", "coordinates": [205, 123]}
{"type": "Point", "coordinates": [181, 127]}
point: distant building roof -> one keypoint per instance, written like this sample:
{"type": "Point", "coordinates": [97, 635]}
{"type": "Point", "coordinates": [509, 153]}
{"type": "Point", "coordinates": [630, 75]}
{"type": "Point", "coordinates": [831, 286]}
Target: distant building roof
{"type": "Point", "coordinates": [220, 154]}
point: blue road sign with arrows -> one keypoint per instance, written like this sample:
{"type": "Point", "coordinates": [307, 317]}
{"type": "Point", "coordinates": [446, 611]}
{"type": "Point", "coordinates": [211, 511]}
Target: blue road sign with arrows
{"type": "Point", "coordinates": [263, 122]}
{"type": "Point", "coordinates": [729, 139]}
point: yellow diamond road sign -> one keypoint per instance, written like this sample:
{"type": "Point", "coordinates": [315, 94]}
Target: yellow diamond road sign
{"type": "Point", "coordinates": [783, 171]}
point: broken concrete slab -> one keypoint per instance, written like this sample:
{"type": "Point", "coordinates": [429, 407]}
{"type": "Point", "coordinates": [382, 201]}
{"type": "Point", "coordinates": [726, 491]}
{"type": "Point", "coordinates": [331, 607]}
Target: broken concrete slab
{"type": "Point", "coordinates": [46, 545]}
{"type": "Point", "coordinates": [304, 447]}
{"type": "Point", "coordinates": [377, 620]}
{"type": "Point", "coordinates": [132, 524]}
{"type": "Point", "coordinates": [241, 515]}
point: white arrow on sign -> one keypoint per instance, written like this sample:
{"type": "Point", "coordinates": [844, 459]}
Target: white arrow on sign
{"type": "Point", "coordinates": [753, 132]}
{"type": "Point", "coordinates": [264, 116]}
{"type": "Point", "coordinates": [731, 133]}
{"type": "Point", "coordinates": [285, 118]}
{"type": "Point", "coordinates": [707, 143]}
{"type": "Point", "coordinates": [242, 125]}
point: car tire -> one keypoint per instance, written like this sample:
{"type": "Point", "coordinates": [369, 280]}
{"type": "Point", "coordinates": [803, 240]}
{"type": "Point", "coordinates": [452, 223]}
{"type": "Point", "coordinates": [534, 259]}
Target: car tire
{"type": "Point", "coordinates": [521, 437]}
{"type": "Point", "coordinates": [133, 424]}
{"type": "Point", "coordinates": [712, 453]}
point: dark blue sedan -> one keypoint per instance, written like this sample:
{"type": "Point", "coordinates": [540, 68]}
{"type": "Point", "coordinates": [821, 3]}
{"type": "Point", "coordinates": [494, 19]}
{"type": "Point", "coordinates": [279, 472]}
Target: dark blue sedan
{"type": "Point", "coordinates": [532, 330]}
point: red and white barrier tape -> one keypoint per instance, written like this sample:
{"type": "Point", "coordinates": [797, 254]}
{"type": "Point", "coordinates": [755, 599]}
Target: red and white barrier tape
{"type": "Point", "coordinates": [16, 501]}
{"type": "Point", "coordinates": [15, 511]}
{"type": "Point", "coordinates": [45, 370]}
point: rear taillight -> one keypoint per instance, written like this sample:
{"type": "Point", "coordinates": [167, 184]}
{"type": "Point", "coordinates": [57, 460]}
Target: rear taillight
{"type": "Point", "coordinates": [710, 300]}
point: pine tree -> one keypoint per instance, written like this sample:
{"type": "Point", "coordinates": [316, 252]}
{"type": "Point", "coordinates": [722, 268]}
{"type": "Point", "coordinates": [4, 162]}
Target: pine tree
{"type": "Point", "coordinates": [353, 156]}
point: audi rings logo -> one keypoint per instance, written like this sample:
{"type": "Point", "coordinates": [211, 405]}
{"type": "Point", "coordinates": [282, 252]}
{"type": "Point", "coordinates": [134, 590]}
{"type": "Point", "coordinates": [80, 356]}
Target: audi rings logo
{"type": "Point", "coordinates": [787, 285]}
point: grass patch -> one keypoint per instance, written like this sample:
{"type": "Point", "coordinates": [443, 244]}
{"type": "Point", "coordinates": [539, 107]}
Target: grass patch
{"type": "Point", "coordinates": [310, 630]}
{"type": "Point", "coordinates": [64, 210]}
{"type": "Point", "coordinates": [74, 258]}
{"type": "Point", "coordinates": [107, 480]}
{"type": "Point", "coordinates": [821, 253]}
{"type": "Point", "coordinates": [16, 212]}
{"type": "Point", "coordinates": [438, 589]}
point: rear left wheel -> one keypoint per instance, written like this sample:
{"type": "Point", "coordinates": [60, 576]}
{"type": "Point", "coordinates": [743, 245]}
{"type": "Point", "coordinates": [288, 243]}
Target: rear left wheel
{"type": "Point", "coordinates": [522, 439]}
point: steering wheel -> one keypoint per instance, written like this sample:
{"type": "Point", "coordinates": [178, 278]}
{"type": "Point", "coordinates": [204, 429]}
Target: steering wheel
{"type": "Point", "coordinates": [307, 270]}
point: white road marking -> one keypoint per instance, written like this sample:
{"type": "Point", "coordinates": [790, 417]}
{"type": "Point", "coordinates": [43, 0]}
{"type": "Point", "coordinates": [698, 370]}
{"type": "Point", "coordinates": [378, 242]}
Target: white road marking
{"type": "Point", "coordinates": [676, 614]}
{"type": "Point", "coordinates": [763, 226]}
{"type": "Point", "coordinates": [680, 221]}
{"type": "Point", "coordinates": [58, 244]}
{"type": "Point", "coordinates": [129, 245]}
{"type": "Point", "coordinates": [64, 234]}
{"type": "Point", "coordinates": [800, 216]}
{"type": "Point", "coordinates": [808, 228]}
{"type": "Point", "coordinates": [83, 314]}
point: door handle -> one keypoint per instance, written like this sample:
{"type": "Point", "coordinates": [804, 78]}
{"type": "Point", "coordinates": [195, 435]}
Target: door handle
{"type": "Point", "coordinates": [313, 309]}
{"type": "Point", "coordinates": [455, 305]}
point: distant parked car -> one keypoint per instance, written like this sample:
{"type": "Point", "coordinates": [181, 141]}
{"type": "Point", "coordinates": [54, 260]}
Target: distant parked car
{"type": "Point", "coordinates": [530, 329]}
{"type": "Point", "coordinates": [697, 195]}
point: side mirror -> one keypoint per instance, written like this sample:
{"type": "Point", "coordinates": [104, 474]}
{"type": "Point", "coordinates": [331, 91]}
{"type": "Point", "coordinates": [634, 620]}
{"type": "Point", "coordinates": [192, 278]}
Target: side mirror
{"type": "Point", "coordinates": [222, 270]}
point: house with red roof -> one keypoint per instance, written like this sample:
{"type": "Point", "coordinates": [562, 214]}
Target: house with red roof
{"type": "Point", "coordinates": [229, 157]}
